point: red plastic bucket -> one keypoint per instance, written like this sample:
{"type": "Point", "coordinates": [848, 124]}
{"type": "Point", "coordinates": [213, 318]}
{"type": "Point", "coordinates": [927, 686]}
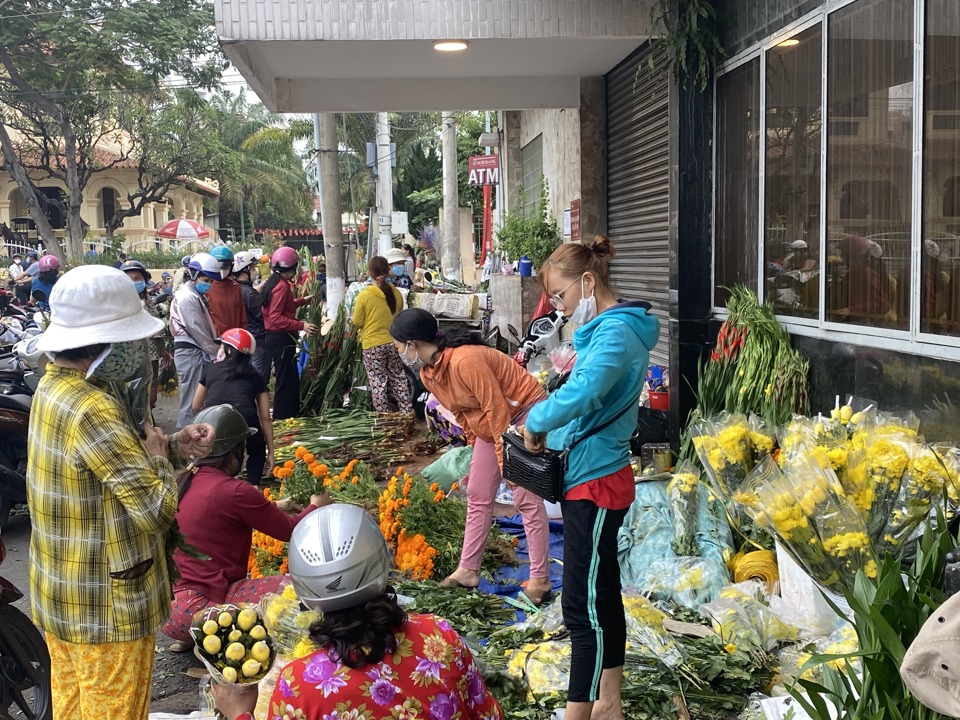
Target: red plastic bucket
{"type": "Point", "coordinates": [660, 401]}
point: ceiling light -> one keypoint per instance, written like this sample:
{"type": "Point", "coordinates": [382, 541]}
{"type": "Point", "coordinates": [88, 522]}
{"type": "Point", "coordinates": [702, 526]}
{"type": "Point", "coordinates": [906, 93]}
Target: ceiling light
{"type": "Point", "coordinates": [450, 45]}
{"type": "Point", "coordinates": [789, 43]}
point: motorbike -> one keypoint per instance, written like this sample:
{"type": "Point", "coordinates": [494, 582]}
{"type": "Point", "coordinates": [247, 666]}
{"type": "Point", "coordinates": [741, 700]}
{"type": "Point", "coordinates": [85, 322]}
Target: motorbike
{"type": "Point", "coordinates": [19, 372]}
{"type": "Point", "coordinates": [543, 336]}
{"type": "Point", "coordinates": [24, 660]}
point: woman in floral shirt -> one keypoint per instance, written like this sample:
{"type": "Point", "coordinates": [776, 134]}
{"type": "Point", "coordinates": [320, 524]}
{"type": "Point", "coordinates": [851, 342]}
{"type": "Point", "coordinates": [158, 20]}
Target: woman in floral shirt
{"type": "Point", "coordinates": [375, 662]}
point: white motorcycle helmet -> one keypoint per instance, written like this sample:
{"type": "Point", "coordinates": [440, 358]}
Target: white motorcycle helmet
{"type": "Point", "coordinates": [338, 558]}
{"type": "Point", "coordinates": [243, 260]}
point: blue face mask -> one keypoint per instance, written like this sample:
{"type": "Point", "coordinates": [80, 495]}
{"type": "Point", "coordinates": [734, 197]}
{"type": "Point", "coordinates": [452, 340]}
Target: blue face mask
{"type": "Point", "coordinates": [139, 285]}
{"type": "Point", "coordinates": [397, 270]}
{"type": "Point", "coordinates": [203, 286]}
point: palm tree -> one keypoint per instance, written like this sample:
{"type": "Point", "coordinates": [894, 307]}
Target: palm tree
{"type": "Point", "coordinates": [263, 177]}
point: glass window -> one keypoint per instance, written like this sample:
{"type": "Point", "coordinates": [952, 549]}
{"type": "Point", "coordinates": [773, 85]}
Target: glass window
{"type": "Point", "coordinates": [532, 156]}
{"type": "Point", "coordinates": [792, 178]}
{"type": "Point", "coordinates": [869, 162]}
{"type": "Point", "coordinates": [940, 263]}
{"type": "Point", "coordinates": [737, 179]}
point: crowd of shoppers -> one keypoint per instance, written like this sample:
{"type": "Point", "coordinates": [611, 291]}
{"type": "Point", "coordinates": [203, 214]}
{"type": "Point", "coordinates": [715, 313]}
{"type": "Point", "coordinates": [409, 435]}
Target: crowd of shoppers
{"type": "Point", "coordinates": [99, 575]}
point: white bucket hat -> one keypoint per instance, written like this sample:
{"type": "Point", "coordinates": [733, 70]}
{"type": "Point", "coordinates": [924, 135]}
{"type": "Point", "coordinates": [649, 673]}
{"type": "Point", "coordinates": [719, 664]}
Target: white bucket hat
{"type": "Point", "coordinates": [92, 305]}
{"type": "Point", "coordinates": [395, 255]}
{"type": "Point", "coordinates": [930, 666]}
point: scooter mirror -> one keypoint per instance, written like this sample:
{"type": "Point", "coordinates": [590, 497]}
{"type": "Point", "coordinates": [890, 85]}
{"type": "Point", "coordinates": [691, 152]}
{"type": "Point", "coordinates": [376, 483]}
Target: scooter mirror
{"type": "Point", "coordinates": [39, 295]}
{"type": "Point", "coordinates": [513, 331]}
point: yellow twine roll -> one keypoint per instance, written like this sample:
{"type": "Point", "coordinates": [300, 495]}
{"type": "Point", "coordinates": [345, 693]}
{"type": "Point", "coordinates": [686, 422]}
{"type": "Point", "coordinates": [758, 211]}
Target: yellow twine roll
{"type": "Point", "coordinates": [757, 565]}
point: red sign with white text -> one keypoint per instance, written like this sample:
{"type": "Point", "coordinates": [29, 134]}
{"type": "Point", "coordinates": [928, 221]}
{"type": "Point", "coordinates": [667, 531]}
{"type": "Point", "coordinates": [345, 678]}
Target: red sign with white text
{"type": "Point", "coordinates": [483, 170]}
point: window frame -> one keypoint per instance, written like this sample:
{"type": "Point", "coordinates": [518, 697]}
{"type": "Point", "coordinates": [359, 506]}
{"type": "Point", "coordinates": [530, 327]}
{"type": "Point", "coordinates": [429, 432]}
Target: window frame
{"type": "Point", "coordinates": [530, 202]}
{"type": "Point", "coordinates": [912, 340]}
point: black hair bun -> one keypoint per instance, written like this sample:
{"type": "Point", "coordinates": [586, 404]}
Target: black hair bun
{"type": "Point", "coordinates": [601, 247]}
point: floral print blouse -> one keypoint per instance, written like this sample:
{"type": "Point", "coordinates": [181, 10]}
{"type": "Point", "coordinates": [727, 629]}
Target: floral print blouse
{"type": "Point", "coordinates": [430, 676]}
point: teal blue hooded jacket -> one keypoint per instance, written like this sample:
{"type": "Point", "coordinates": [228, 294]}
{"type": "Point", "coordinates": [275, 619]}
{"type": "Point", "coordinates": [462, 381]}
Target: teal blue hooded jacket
{"type": "Point", "coordinates": [613, 352]}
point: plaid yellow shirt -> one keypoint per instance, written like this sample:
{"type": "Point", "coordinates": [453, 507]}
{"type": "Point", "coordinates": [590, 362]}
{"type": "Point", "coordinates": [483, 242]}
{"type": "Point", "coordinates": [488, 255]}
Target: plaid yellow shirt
{"type": "Point", "coordinates": [99, 506]}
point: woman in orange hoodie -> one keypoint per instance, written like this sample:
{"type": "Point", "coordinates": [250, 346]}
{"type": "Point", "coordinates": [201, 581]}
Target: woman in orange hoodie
{"type": "Point", "coordinates": [486, 391]}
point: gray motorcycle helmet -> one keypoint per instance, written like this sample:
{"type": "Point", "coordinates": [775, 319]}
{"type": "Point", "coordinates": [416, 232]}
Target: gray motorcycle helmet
{"type": "Point", "coordinates": [338, 558]}
{"type": "Point", "coordinates": [230, 427]}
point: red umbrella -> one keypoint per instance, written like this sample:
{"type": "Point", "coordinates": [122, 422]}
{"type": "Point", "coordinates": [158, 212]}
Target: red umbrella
{"type": "Point", "coordinates": [183, 229]}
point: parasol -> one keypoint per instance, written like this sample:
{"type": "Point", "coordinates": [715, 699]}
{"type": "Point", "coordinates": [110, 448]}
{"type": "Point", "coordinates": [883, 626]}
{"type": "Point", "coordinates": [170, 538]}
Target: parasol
{"type": "Point", "coordinates": [183, 229]}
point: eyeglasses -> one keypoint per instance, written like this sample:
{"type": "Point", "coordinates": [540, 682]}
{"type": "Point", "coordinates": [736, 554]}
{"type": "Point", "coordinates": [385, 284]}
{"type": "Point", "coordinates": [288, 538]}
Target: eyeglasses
{"type": "Point", "coordinates": [557, 300]}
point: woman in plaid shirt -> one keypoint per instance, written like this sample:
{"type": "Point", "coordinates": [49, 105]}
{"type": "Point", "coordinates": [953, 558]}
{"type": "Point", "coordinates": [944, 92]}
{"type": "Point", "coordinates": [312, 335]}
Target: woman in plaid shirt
{"type": "Point", "coordinates": [101, 497]}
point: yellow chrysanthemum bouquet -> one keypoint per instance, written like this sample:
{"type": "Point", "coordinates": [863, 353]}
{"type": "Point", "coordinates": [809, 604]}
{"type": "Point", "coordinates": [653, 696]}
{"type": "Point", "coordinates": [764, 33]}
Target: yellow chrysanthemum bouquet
{"type": "Point", "coordinates": [683, 492]}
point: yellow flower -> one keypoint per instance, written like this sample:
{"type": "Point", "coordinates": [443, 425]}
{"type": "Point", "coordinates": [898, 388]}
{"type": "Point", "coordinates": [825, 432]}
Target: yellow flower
{"type": "Point", "coordinates": [846, 543]}
{"type": "Point", "coordinates": [730, 648]}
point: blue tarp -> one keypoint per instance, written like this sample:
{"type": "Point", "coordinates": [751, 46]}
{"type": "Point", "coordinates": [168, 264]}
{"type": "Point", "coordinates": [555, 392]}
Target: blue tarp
{"type": "Point", "coordinates": [508, 579]}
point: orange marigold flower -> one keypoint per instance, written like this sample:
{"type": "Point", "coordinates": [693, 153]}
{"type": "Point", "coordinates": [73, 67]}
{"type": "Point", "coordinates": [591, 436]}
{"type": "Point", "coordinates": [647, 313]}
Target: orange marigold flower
{"type": "Point", "coordinates": [407, 486]}
{"type": "Point", "coordinates": [434, 487]}
{"type": "Point", "coordinates": [439, 496]}
{"type": "Point", "coordinates": [327, 482]}
{"type": "Point", "coordinates": [354, 480]}
{"type": "Point", "coordinates": [454, 486]}
{"type": "Point", "coordinates": [309, 458]}
{"type": "Point", "coordinates": [300, 452]}
{"type": "Point", "coordinates": [323, 469]}
{"type": "Point", "coordinates": [399, 471]}
{"type": "Point", "coordinates": [290, 464]}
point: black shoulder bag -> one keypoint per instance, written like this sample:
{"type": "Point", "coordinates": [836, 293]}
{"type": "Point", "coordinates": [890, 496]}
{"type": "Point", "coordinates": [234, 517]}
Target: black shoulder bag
{"type": "Point", "coordinates": [542, 473]}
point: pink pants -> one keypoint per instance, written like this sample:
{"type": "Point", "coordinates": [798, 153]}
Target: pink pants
{"type": "Point", "coordinates": [186, 603]}
{"type": "Point", "coordinates": [482, 485]}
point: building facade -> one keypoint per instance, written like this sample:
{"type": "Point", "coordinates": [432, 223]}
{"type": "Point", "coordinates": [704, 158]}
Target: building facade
{"type": "Point", "coordinates": [836, 172]}
{"type": "Point", "coordinates": [105, 192]}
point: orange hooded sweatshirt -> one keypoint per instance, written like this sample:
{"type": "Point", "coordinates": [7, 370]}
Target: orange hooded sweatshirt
{"type": "Point", "coordinates": [484, 389]}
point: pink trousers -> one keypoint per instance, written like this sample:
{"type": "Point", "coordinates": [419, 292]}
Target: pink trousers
{"type": "Point", "coordinates": [482, 486]}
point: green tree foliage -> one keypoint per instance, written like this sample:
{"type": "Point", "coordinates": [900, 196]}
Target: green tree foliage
{"type": "Point", "coordinates": [69, 70]}
{"type": "Point", "coordinates": [263, 175]}
{"type": "Point", "coordinates": [416, 190]}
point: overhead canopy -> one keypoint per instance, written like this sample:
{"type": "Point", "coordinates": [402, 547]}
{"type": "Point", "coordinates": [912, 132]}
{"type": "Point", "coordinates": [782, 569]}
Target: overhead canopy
{"type": "Point", "coordinates": [354, 56]}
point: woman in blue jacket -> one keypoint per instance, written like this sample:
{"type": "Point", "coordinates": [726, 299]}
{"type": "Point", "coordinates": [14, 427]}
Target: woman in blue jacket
{"type": "Point", "coordinates": [613, 346]}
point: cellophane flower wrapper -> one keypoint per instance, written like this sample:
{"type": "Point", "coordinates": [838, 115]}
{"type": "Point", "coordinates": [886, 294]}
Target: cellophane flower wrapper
{"type": "Point", "coordinates": [949, 455]}
{"type": "Point", "coordinates": [549, 619]}
{"type": "Point", "coordinates": [645, 629]}
{"type": "Point", "coordinates": [544, 666]}
{"type": "Point", "coordinates": [875, 474]}
{"type": "Point", "coordinates": [925, 481]}
{"type": "Point", "coordinates": [742, 618]}
{"type": "Point", "coordinates": [844, 537]}
{"type": "Point", "coordinates": [562, 358]}
{"type": "Point", "coordinates": [289, 625]}
{"type": "Point", "coordinates": [763, 438]}
{"type": "Point", "coordinates": [795, 438]}
{"type": "Point", "coordinates": [787, 505]}
{"type": "Point", "coordinates": [723, 445]}
{"type": "Point", "coordinates": [842, 641]}
{"type": "Point", "coordinates": [214, 662]}
{"type": "Point", "coordinates": [683, 493]}
{"type": "Point", "coordinates": [688, 581]}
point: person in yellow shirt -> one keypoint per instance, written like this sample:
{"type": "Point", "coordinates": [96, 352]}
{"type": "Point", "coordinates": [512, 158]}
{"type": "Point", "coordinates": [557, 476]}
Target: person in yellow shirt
{"type": "Point", "coordinates": [376, 306]}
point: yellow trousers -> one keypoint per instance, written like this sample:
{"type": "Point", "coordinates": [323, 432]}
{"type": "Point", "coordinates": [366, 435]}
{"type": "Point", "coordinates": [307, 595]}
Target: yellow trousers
{"type": "Point", "coordinates": [105, 681]}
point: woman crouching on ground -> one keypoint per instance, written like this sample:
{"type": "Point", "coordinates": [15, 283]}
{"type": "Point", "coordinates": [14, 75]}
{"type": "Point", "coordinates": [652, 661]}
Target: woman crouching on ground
{"type": "Point", "coordinates": [217, 515]}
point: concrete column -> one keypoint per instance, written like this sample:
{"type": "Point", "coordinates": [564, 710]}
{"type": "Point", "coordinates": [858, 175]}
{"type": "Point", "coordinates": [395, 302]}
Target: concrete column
{"type": "Point", "coordinates": [333, 249]}
{"type": "Point", "coordinates": [512, 159]}
{"type": "Point", "coordinates": [450, 237]}
{"type": "Point", "coordinates": [593, 157]}
{"type": "Point", "coordinates": [384, 184]}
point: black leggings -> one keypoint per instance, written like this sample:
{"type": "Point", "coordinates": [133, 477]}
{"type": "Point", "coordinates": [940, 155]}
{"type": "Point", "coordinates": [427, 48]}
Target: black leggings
{"type": "Point", "coordinates": [286, 392]}
{"type": "Point", "coordinates": [591, 601]}
{"type": "Point", "coordinates": [256, 456]}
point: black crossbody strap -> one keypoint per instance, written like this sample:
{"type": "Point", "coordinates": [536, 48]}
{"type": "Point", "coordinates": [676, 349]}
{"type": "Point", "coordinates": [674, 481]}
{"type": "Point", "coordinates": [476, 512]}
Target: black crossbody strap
{"type": "Point", "coordinates": [597, 429]}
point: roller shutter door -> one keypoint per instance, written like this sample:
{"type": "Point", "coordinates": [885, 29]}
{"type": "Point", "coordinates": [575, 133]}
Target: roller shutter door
{"type": "Point", "coordinates": [638, 156]}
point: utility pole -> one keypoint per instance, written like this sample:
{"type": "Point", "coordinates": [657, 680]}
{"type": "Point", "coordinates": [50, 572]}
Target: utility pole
{"type": "Point", "coordinates": [384, 183]}
{"type": "Point", "coordinates": [450, 239]}
{"type": "Point", "coordinates": [330, 208]}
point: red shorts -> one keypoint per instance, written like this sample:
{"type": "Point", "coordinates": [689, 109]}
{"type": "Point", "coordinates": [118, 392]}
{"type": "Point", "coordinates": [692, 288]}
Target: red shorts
{"type": "Point", "coordinates": [611, 492]}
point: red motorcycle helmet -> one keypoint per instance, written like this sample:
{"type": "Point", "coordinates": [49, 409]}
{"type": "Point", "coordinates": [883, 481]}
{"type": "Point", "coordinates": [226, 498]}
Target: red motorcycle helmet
{"type": "Point", "coordinates": [240, 340]}
{"type": "Point", "coordinates": [284, 258]}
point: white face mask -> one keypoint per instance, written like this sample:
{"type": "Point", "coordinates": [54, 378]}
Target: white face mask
{"type": "Point", "coordinates": [414, 364]}
{"type": "Point", "coordinates": [586, 308]}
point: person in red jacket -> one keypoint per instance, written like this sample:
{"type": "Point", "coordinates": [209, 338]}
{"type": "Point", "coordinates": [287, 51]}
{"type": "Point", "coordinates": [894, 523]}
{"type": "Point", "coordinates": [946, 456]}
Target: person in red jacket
{"type": "Point", "coordinates": [225, 296]}
{"type": "Point", "coordinates": [217, 515]}
{"type": "Point", "coordinates": [279, 323]}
